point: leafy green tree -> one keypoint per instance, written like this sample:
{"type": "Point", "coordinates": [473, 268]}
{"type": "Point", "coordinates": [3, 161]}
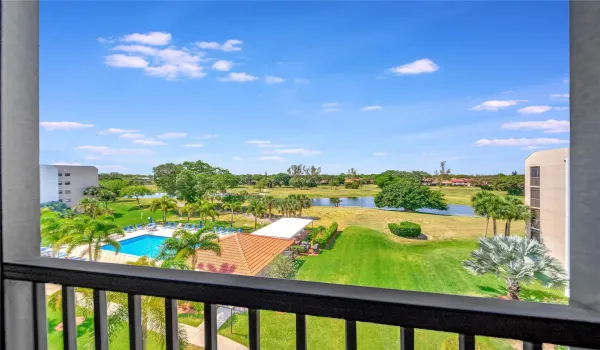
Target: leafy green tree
{"type": "Point", "coordinates": [281, 179]}
{"type": "Point", "coordinates": [334, 182]}
{"type": "Point", "coordinates": [303, 202]}
{"type": "Point", "coordinates": [269, 202]}
{"type": "Point", "coordinates": [88, 206]}
{"type": "Point", "coordinates": [517, 260]}
{"type": "Point", "coordinates": [204, 185]}
{"type": "Point", "coordinates": [93, 233]}
{"type": "Point", "coordinates": [185, 184]}
{"type": "Point", "coordinates": [198, 167]}
{"type": "Point", "coordinates": [411, 196]}
{"type": "Point", "coordinates": [208, 210]}
{"type": "Point", "coordinates": [136, 191]}
{"type": "Point", "coordinates": [283, 267]}
{"type": "Point", "coordinates": [165, 177]}
{"type": "Point", "coordinates": [224, 180]}
{"type": "Point", "coordinates": [256, 208]}
{"type": "Point", "coordinates": [189, 209]}
{"type": "Point", "coordinates": [482, 203]}
{"type": "Point", "coordinates": [260, 184]}
{"type": "Point", "coordinates": [93, 191]}
{"type": "Point", "coordinates": [164, 204]}
{"type": "Point", "coordinates": [51, 229]}
{"type": "Point", "coordinates": [184, 244]}
{"type": "Point", "coordinates": [107, 196]}
{"type": "Point", "coordinates": [335, 201]}
{"type": "Point", "coordinates": [115, 186]}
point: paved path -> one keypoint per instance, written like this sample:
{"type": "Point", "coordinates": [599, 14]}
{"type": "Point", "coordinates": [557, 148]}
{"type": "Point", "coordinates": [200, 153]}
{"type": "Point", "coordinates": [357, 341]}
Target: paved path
{"type": "Point", "coordinates": [195, 336]}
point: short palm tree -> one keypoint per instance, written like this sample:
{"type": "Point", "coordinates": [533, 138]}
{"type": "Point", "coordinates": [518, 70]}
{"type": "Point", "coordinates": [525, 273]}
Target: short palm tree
{"type": "Point", "coordinates": [270, 202]}
{"type": "Point", "coordinates": [206, 210]}
{"type": "Point", "coordinates": [51, 229]}
{"type": "Point", "coordinates": [94, 233]}
{"type": "Point", "coordinates": [256, 208]}
{"type": "Point", "coordinates": [189, 209]}
{"type": "Point", "coordinates": [164, 204]}
{"type": "Point", "coordinates": [517, 260]}
{"type": "Point", "coordinates": [183, 245]}
{"type": "Point", "coordinates": [233, 207]}
{"type": "Point", "coordinates": [482, 205]}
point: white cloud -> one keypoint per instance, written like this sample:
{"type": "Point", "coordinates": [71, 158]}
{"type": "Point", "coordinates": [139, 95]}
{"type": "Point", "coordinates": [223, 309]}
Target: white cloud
{"type": "Point", "coordinates": [549, 126]}
{"type": "Point", "coordinates": [145, 50]}
{"type": "Point", "coordinates": [520, 142]}
{"type": "Point", "coordinates": [112, 169]}
{"type": "Point", "coordinates": [330, 104]}
{"type": "Point", "coordinates": [495, 105]}
{"type": "Point", "coordinates": [151, 38]}
{"type": "Point", "coordinates": [421, 66]}
{"type": "Point", "coordinates": [238, 77]}
{"type": "Point", "coordinates": [271, 158]}
{"type": "Point", "coordinates": [534, 109]}
{"type": "Point", "coordinates": [222, 65]}
{"type": "Point", "coordinates": [66, 163]}
{"type": "Point", "coordinates": [560, 108]}
{"type": "Point", "coordinates": [123, 61]}
{"type": "Point", "coordinates": [530, 148]}
{"type": "Point", "coordinates": [298, 151]}
{"type": "Point", "coordinates": [193, 145]}
{"type": "Point", "coordinates": [372, 108]}
{"type": "Point", "coordinates": [559, 95]}
{"type": "Point", "coordinates": [258, 142]}
{"type": "Point", "coordinates": [381, 154]}
{"type": "Point", "coordinates": [105, 40]}
{"type": "Point", "coordinates": [207, 137]}
{"type": "Point", "coordinates": [107, 151]}
{"type": "Point", "coordinates": [236, 158]}
{"type": "Point", "coordinates": [228, 46]}
{"type": "Point", "coordinates": [131, 136]}
{"type": "Point", "coordinates": [149, 142]}
{"type": "Point", "coordinates": [91, 157]}
{"type": "Point", "coordinates": [331, 110]}
{"type": "Point", "coordinates": [65, 125]}
{"type": "Point", "coordinates": [172, 135]}
{"type": "Point", "coordinates": [117, 131]}
{"type": "Point", "coordinates": [301, 81]}
{"type": "Point", "coordinates": [271, 79]}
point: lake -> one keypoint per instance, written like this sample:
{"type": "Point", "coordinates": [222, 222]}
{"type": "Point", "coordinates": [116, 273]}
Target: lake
{"type": "Point", "coordinates": [369, 202]}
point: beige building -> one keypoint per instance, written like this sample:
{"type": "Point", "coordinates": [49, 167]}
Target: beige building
{"type": "Point", "coordinates": [73, 180]}
{"type": "Point", "coordinates": [546, 192]}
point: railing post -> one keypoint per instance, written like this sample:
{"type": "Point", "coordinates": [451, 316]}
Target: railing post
{"type": "Point", "coordinates": [301, 332]}
{"type": "Point", "coordinates": [40, 322]}
{"type": "Point", "coordinates": [100, 320]}
{"type": "Point", "coordinates": [466, 342]}
{"type": "Point", "coordinates": [210, 326]}
{"type": "Point", "coordinates": [172, 329]}
{"type": "Point", "coordinates": [531, 346]}
{"type": "Point", "coordinates": [68, 314]}
{"type": "Point", "coordinates": [407, 338]}
{"type": "Point", "coordinates": [351, 335]}
{"type": "Point", "coordinates": [254, 331]}
{"type": "Point", "coordinates": [135, 321]}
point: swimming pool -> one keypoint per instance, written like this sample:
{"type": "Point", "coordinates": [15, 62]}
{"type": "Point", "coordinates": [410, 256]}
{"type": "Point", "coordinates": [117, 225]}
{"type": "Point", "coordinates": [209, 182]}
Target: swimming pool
{"type": "Point", "coordinates": [145, 245]}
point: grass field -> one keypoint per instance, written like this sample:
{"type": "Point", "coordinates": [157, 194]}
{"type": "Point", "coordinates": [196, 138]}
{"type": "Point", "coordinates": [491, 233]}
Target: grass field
{"type": "Point", "coordinates": [365, 257]}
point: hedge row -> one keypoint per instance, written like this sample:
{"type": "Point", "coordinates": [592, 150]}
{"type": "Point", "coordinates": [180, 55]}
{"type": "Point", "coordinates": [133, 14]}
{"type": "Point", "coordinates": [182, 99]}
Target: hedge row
{"type": "Point", "coordinates": [325, 235]}
{"type": "Point", "coordinates": [405, 229]}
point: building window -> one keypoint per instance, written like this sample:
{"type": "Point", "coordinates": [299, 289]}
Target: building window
{"type": "Point", "coordinates": [60, 200]}
{"type": "Point", "coordinates": [68, 192]}
{"type": "Point", "coordinates": [535, 197]}
{"type": "Point", "coordinates": [59, 191]}
{"type": "Point", "coordinates": [68, 200]}
{"type": "Point", "coordinates": [67, 174]}
{"type": "Point", "coordinates": [534, 175]}
{"type": "Point", "coordinates": [67, 183]}
{"type": "Point", "coordinates": [59, 174]}
{"type": "Point", "coordinates": [60, 183]}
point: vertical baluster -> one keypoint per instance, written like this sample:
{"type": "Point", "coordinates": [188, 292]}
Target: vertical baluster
{"type": "Point", "coordinates": [351, 335]}
{"type": "Point", "coordinates": [210, 326]}
{"type": "Point", "coordinates": [68, 313]}
{"type": "Point", "coordinates": [100, 320]}
{"type": "Point", "coordinates": [40, 324]}
{"type": "Point", "coordinates": [135, 321]}
{"type": "Point", "coordinates": [407, 338]}
{"type": "Point", "coordinates": [466, 342]}
{"type": "Point", "coordinates": [531, 346]}
{"type": "Point", "coordinates": [254, 331]}
{"type": "Point", "coordinates": [172, 331]}
{"type": "Point", "coordinates": [300, 332]}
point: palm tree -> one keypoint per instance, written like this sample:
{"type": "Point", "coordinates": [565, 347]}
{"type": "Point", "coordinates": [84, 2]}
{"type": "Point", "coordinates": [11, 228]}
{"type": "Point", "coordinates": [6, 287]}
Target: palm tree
{"type": "Point", "coordinates": [163, 204]}
{"type": "Point", "coordinates": [88, 206]}
{"type": "Point", "coordinates": [51, 229]}
{"type": "Point", "coordinates": [335, 201]}
{"type": "Point", "coordinates": [183, 245]}
{"type": "Point", "coordinates": [517, 260]}
{"type": "Point", "coordinates": [269, 203]}
{"type": "Point", "coordinates": [256, 208]}
{"type": "Point", "coordinates": [189, 209]}
{"type": "Point", "coordinates": [304, 202]}
{"type": "Point", "coordinates": [281, 206]}
{"type": "Point", "coordinates": [482, 205]}
{"type": "Point", "coordinates": [442, 173]}
{"type": "Point", "coordinates": [515, 210]}
{"type": "Point", "coordinates": [497, 211]}
{"type": "Point", "coordinates": [208, 209]}
{"type": "Point", "coordinates": [233, 206]}
{"type": "Point", "coordinates": [83, 230]}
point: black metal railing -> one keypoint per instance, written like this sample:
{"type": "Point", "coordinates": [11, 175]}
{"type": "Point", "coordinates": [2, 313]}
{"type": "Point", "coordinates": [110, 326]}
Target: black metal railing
{"type": "Point", "coordinates": [533, 323]}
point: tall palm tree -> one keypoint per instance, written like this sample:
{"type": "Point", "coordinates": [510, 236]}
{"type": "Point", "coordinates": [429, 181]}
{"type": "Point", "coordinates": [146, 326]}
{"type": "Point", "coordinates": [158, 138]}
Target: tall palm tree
{"type": "Point", "coordinates": [189, 209]}
{"type": "Point", "coordinates": [233, 207]}
{"type": "Point", "coordinates": [442, 173]}
{"type": "Point", "coordinates": [303, 202]}
{"type": "Point", "coordinates": [164, 204]}
{"type": "Point", "coordinates": [517, 260]}
{"type": "Point", "coordinates": [256, 208]}
{"type": "Point", "coordinates": [482, 205]}
{"type": "Point", "coordinates": [515, 211]}
{"type": "Point", "coordinates": [269, 203]}
{"type": "Point", "coordinates": [183, 245]}
{"type": "Point", "coordinates": [498, 210]}
{"type": "Point", "coordinates": [206, 210]}
{"type": "Point", "coordinates": [94, 233]}
{"type": "Point", "coordinates": [51, 229]}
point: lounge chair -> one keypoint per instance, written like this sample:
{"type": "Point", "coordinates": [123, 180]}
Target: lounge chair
{"type": "Point", "coordinates": [131, 229]}
{"type": "Point", "coordinates": [199, 225]}
{"type": "Point", "coordinates": [221, 229]}
{"type": "Point", "coordinates": [194, 227]}
{"type": "Point", "coordinates": [239, 230]}
{"type": "Point", "coordinates": [215, 228]}
{"type": "Point", "coordinates": [138, 226]}
{"type": "Point", "coordinates": [125, 229]}
{"type": "Point", "coordinates": [61, 255]}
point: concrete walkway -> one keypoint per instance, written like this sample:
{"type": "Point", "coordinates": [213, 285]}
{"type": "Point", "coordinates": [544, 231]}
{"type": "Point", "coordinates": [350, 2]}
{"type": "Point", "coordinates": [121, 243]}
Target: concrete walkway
{"type": "Point", "coordinates": [195, 336]}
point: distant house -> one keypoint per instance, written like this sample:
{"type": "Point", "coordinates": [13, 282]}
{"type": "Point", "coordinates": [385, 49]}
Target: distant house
{"type": "Point", "coordinates": [446, 182]}
{"type": "Point", "coordinates": [323, 182]}
{"type": "Point", "coordinates": [428, 181]}
{"type": "Point", "coordinates": [351, 180]}
{"type": "Point", "coordinates": [461, 182]}
{"type": "Point", "coordinates": [243, 254]}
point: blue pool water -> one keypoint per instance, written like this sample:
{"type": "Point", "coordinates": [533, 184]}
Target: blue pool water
{"type": "Point", "coordinates": [145, 245]}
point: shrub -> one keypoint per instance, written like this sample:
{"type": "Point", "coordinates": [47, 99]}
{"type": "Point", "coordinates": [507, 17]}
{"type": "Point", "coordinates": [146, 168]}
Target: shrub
{"type": "Point", "coordinates": [283, 267]}
{"type": "Point", "coordinates": [352, 185]}
{"type": "Point", "coordinates": [298, 249]}
{"type": "Point", "coordinates": [405, 229]}
{"type": "Point", "coordinates": [324, 236]}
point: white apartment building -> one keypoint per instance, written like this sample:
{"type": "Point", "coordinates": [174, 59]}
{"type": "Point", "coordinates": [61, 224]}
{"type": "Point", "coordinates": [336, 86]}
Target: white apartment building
{"type": "Point", "coordinates": [66, 183]}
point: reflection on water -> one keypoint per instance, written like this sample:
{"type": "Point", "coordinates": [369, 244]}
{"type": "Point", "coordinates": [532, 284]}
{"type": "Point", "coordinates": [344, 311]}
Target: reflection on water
{"type": "Point", "coordinates": [369, 202]}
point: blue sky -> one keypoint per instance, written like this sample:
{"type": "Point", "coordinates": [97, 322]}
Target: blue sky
{"type": "Point", "coordinates": [257, 86]}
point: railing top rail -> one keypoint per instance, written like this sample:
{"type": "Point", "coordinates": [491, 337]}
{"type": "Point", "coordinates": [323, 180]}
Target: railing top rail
{"type": "Point", "coordinates": [527, 321]}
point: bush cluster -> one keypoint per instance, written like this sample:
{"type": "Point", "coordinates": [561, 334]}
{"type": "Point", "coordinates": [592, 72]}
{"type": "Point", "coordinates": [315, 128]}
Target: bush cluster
{"type": "Point", "coordinates": [405, 229]}
{"type": "Point", "coordinates": [352, 185]}
{"type": "Point", "coordinates": [325, 235]}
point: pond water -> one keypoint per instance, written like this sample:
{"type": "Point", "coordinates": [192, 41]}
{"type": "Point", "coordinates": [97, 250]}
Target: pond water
{"type": "Point", "coordinates": [369, 202]}
{"type": "Point", "coordinates": [155, 195]}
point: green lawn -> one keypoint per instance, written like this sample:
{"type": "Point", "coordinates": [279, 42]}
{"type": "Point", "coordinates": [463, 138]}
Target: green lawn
{"type": "Point", "coordinates": [365, 257]}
